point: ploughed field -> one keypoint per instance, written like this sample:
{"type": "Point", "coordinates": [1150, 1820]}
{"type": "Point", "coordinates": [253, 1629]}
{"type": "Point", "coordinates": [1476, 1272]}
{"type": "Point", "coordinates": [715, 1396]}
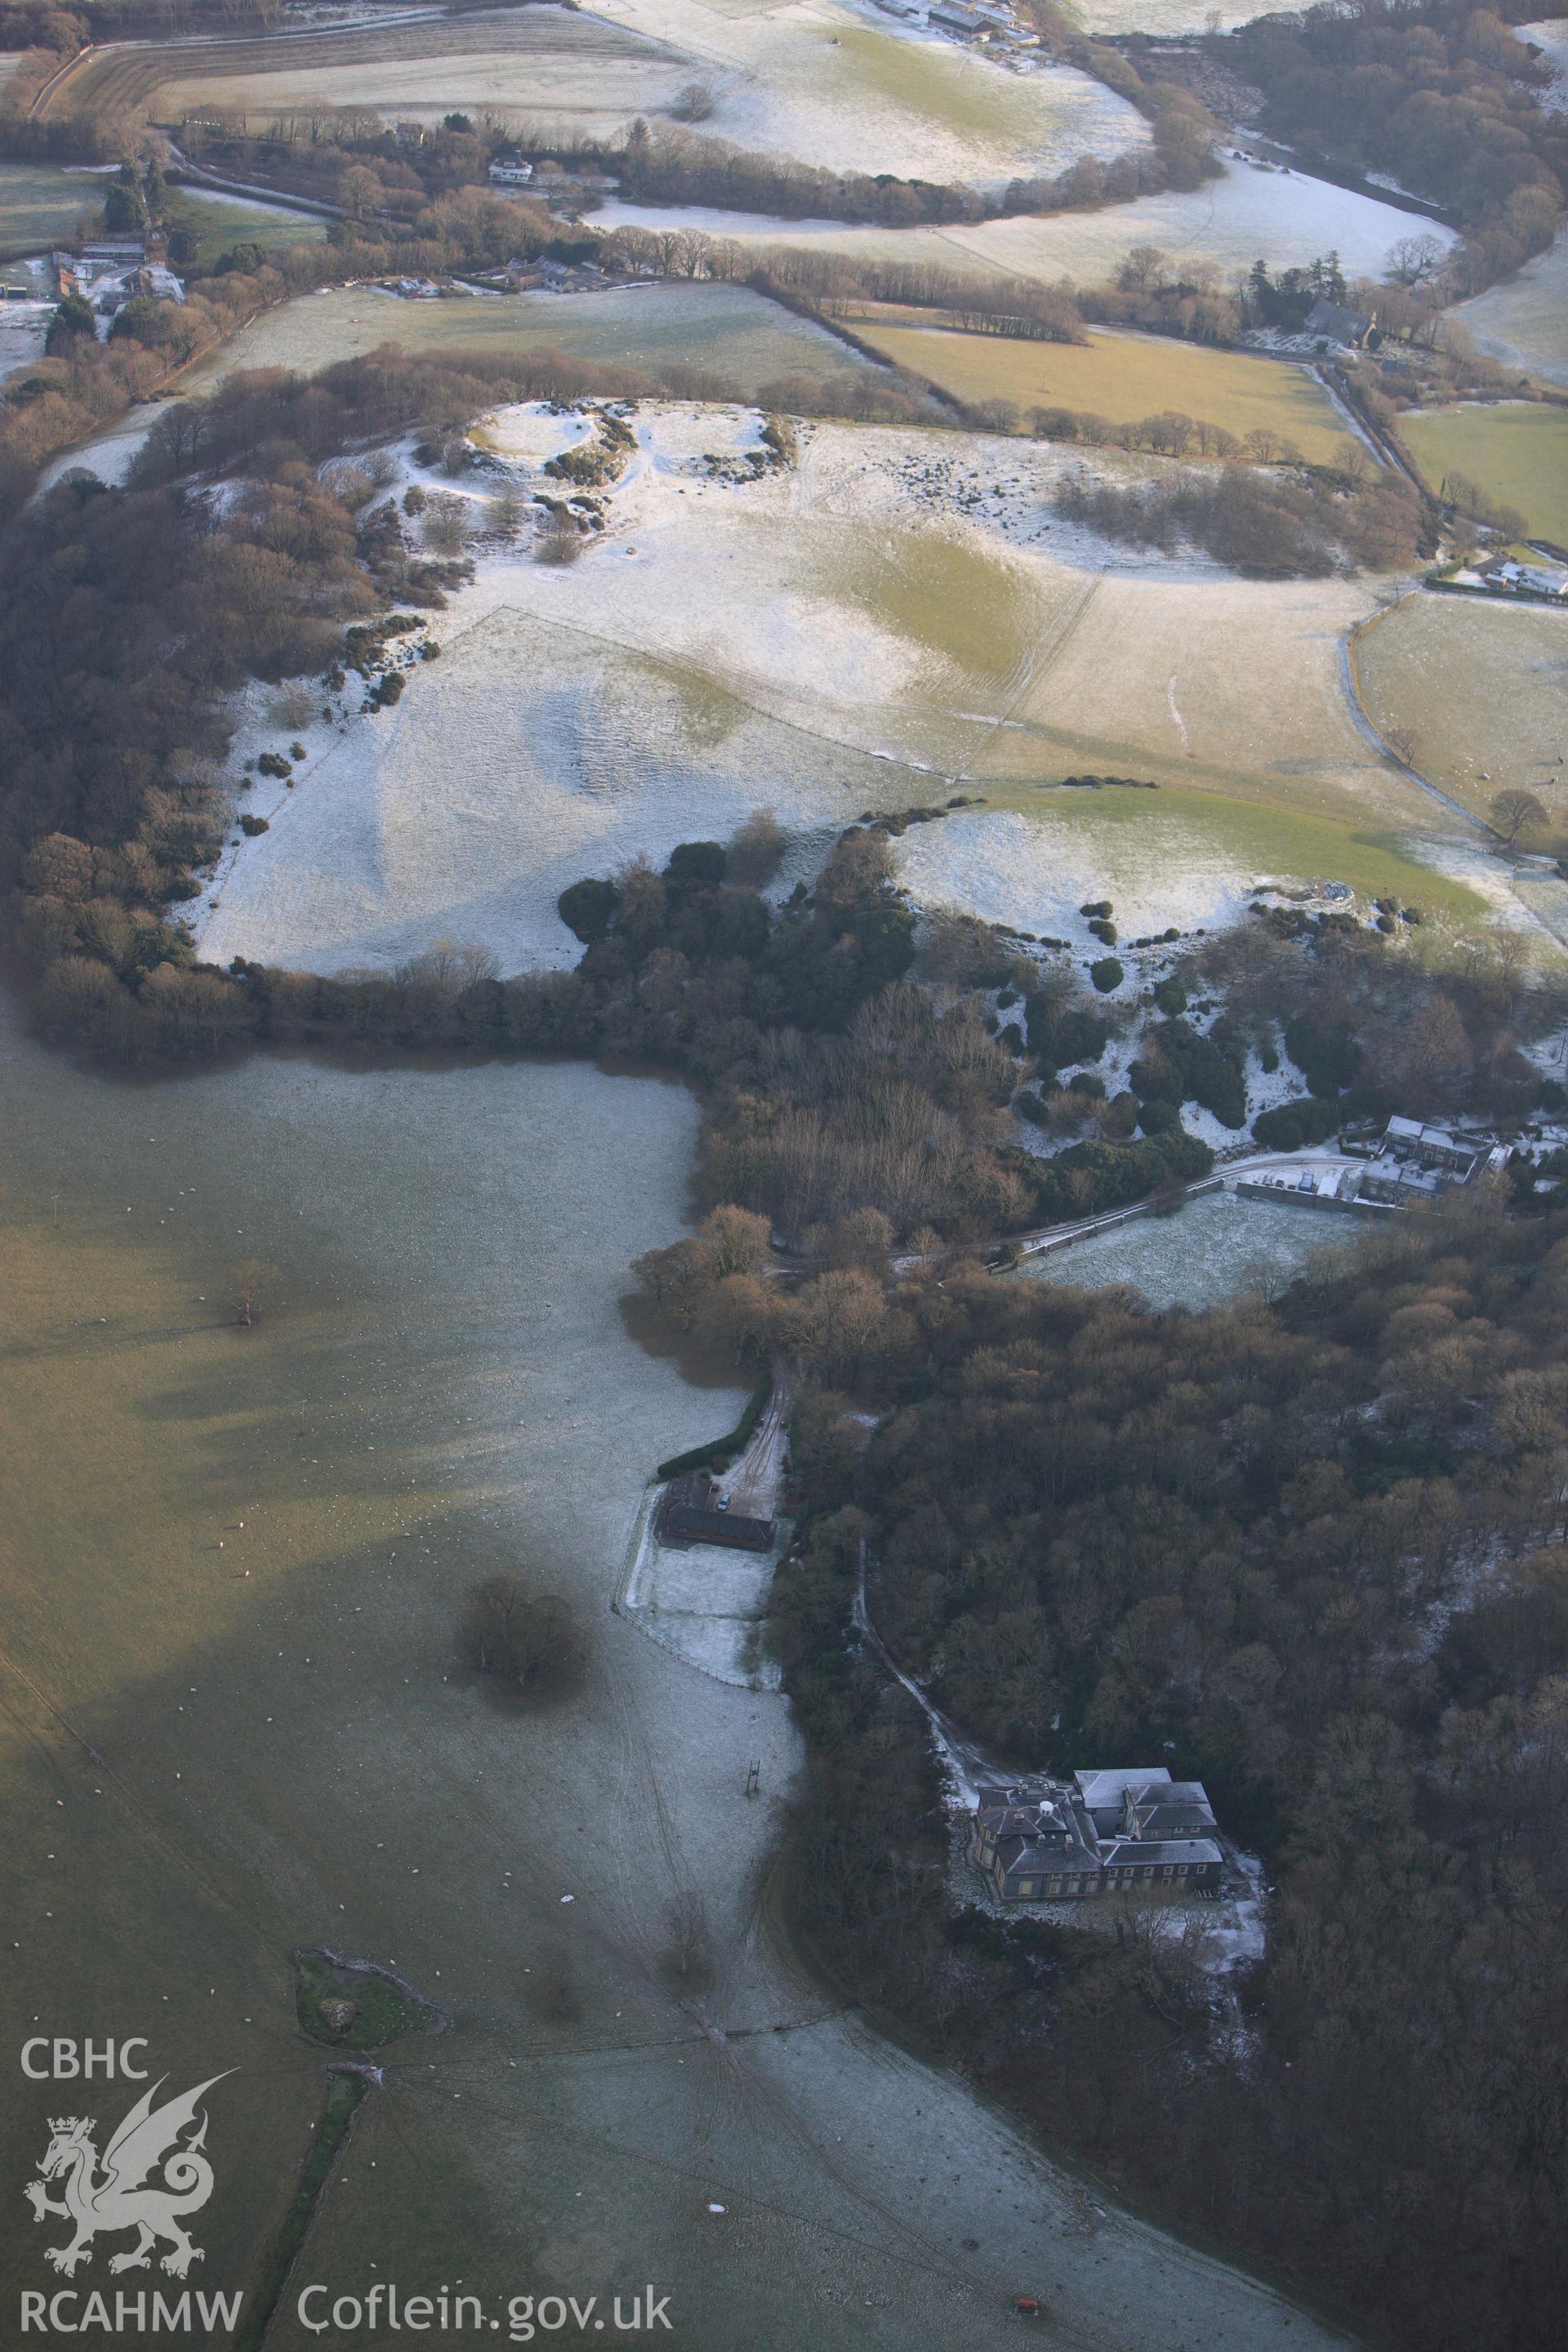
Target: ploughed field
{"type": "Point", "coordinates": [557, 64]}
{"type": "Point", "coordinates": [235, 1724]}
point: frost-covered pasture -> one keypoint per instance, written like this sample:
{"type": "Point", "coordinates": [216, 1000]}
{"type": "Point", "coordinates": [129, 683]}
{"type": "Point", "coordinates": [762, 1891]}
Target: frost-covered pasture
{"type": "Point", "coordinates": [1115, 375]}
{"type": "Point", "coordinates": [537, 755]}
{"type": "Point", "coordinates": [1187, 861]}
{"type": "Point", "coordinates": [1206, 679]}
{"type": "Point", "coordinates": [1478, 688]}
{"type": "Point", "coordinates": [1523, 319]}
{"type": "Point", "coordinates": [814, 80]}
{"type": "Point", "coordinates": [846, 88]}
{"type": "Point", "coordinates": [892, 620]}
{"type": "Point", "coordinates": [728, 331]}
{"type": "Point", "coordinates": [1208, 1252]}
{"type": "Point", "coordinates": [447, 1392]}
{"type": "Point", "coordinates": [1167, 18]}
{"type": "Point", "coordinates": [1517, 450]}
{"type": "Point", "coordinates": [41, 204]}
{"type": "Point", "coordinates": [1252, 210]}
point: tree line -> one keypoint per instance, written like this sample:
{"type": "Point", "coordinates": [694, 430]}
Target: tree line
{"type": "Point", "coordinates": [1306, 525]}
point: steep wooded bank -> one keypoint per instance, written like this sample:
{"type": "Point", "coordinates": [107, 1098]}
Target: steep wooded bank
{"type": "Point", "coordinates": [1438, 94]}
{"type": "Point", "coordinates": [1312, 1553]}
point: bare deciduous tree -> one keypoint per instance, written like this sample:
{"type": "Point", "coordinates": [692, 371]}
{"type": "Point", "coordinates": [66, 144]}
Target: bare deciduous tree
{"type": "Point", "coordinates": [756, 849]}
{"type": "Point", "coordinates": [527, 1641]}
{"type": "Point", "coordinates": [1515, 811]}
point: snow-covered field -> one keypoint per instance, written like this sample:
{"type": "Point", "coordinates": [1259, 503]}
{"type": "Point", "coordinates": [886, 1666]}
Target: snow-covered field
{"type": "Point", "coordinates": [1033, 871]}
{"type": "Point", "coordinates": [1550, 37]}
{"type": "Point", "coordinates": [895, 617]}
{"type": "Point", "coordinates": [813, 80]}
{"type": "Point", "coordinates": [1523, 319]}
{"type": "Point", "coordinates": [728, 331]}
{"type": "Point", "coordinates": [848, 89]}
{"type": "Point", "coordinates": [1216, 678]}
{"type": "Point", "coordinates": [1168, 19]}
{"type": "Point", "coordinates": [23, 326]}
{"type": "Point", "coordinates": [1252, 211]}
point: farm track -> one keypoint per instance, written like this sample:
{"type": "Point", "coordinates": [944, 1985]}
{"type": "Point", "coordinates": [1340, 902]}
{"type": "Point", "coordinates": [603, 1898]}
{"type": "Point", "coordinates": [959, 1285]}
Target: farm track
{"type": "Point", "coordinates": [57, 82]}
{"type": "Point", "coordinates": [1061, 628]}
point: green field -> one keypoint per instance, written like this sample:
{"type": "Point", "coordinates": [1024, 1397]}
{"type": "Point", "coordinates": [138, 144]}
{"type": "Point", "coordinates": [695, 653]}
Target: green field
{"type": "Point", "coordinates": [725, 330]}
{"type": "Point", "coordinates": [220, 221]}
{"type": "Point", "coordinates": [1134, 832]}
{"type": "Point", "coordinates": [1516, 450]}
{"type": "Point", "coordinates": [1476, 688]}
{"type": "Point", "coordinates": [1122, 377]}
{"type": "Point", "coordinates": [41, 203]}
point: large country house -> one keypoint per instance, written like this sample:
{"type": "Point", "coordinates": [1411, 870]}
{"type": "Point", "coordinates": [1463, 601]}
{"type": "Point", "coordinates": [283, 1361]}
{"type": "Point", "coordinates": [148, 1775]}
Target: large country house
{"type": "Point", "coordinates": [1039, 1840]}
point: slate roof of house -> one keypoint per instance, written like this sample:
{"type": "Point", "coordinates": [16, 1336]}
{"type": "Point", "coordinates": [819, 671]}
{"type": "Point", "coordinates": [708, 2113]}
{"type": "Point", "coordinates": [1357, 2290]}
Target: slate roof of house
{"type": "Point", "coordinates": [1327, 318]}
{"type": "Point", "coordinates": [1178, 1809]}
{"type": "Point", "coordinates": [1118, 1854]}
{"type": "Point", "coordinates": [683, 1523]}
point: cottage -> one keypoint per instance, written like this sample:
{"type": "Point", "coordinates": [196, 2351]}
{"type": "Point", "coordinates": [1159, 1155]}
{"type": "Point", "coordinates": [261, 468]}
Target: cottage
{"type": "Point", "coordinates": [1040, 1840]}
{"type": "Point", "coordinates": [1417, 1161]}
{"type": "Point", "coordinates": [1456, 1152]}
{"type": "Point", "coordinates": [1335, 324]}
{"type": "Point", "coordinates": [510, 175]}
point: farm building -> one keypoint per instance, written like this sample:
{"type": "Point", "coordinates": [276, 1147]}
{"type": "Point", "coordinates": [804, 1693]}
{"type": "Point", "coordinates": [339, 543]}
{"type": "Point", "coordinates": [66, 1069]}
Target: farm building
{"type": "Point", "coordinates": [1040, 1840]}
{"type": "Point", "coordinates": [1338, 325]}
{"type": "Point", "coordinates": [957, 17]}
{"type": "Point", "coordinates": [695, 1511]}
{"type": "Point", "coordinates": [1527, 578]}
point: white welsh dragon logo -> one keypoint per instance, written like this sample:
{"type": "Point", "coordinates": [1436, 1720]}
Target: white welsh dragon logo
{"type": "Point", "coordinates": [120, 2196]}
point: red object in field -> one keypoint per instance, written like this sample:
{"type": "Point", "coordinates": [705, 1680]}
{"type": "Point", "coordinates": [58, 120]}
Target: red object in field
{"type": "Point", "coordinates": [1027, 2304]}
